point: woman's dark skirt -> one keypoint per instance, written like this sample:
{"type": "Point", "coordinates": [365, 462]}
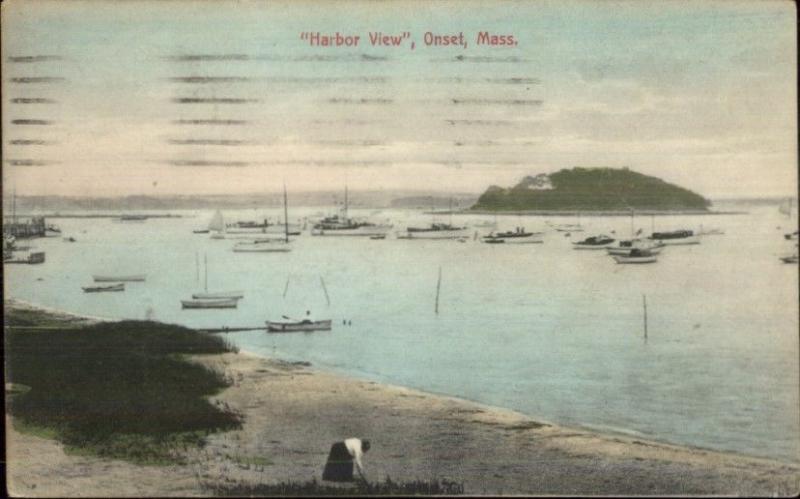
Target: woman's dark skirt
{"type": "Point", "coordinates": [339, 467]}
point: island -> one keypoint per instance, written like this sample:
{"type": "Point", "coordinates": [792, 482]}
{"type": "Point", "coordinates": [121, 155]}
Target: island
{"type": "Point", "coordinates": [591, 190]}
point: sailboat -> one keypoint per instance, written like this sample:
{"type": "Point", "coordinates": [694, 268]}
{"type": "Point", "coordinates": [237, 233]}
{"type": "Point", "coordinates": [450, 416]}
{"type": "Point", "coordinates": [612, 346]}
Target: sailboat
{"type": "Point", "coordinates": [226, 299]}
{"type": "Point", "coordinates": [269, 245]}
{"type": "Point", "coordinates": [217, 226]}
{"type": "Point", "coordinates": [343, 225]}
{"type": "Point", "coordinates": [785, 208]}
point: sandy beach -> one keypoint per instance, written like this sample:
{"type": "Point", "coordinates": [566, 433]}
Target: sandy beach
{"type": "Point", "coordinates": [293, 412]}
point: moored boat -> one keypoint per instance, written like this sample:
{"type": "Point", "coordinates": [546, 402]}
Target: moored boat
{"type": "Point", "coordinates": [269, 245]}
{"type": "Point", "coordinates": [32, 258]}
{"type": "Point", "coordinates": [119, 278]}
{"type": "Point", "coordinates": [625, 247]}
{"type": "Point", "coordinates": [98, 289]}
{"type": "Point", "coordinates": [594, 243]}
{"type": "Point", "coordinates": [636, 256]}
{"type": "Point", "coordinates": [435, 231]}
{"type": "Point", "coordinates": [343, 226]}
{"type": "Point", "coordinates": [217, 226]}
{"type": "Point", "coordinates": [675, 237]}
{"type": "Point", "coordinates": [518, 236]}
{"type": "Point", "coordinates": [210, 303]}
{"type": "Point", "coordinates": [262, 247]}
{"type": "Point", "coordinates": [236, 295]}
{"type": "Point", "coordinates": [290, 326]}
{"type": "Point", "coordinates": [789, 258]}
{"type": "Point", "coordinates": [132, 218]}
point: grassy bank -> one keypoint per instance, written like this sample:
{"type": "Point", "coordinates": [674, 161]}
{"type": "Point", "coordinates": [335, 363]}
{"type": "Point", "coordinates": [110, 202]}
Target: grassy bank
{"type": "Point", "coordinates": [116, 389]}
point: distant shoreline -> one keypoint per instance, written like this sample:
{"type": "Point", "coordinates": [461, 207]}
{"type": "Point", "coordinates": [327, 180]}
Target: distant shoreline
{"type": "Point", "coordinates": [99, 215]}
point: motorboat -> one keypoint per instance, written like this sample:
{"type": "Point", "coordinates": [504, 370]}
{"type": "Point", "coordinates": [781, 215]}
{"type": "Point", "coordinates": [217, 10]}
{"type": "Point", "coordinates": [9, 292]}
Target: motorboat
{"type": "Point", "coordinates": [594, 243]}
{"type": "Point", "coordinates": [518, 236]}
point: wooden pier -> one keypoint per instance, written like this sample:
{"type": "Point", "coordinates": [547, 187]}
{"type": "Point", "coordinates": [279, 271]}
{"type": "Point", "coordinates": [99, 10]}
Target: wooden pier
{"type": "Point", "coordinates": [232, 329]}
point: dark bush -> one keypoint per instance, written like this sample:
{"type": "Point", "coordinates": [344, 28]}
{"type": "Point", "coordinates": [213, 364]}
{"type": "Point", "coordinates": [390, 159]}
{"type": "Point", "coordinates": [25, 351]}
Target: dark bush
{"type": "Point", "coordinates": [117, 389]}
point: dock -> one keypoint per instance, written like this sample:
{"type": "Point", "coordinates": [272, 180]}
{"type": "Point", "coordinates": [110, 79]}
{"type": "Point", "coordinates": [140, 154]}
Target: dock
{"type": "Point", "coordinates": [232, 329]}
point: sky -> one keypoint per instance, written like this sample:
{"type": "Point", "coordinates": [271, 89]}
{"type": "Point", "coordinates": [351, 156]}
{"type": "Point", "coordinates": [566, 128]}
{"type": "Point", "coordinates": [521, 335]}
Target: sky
{"type": "Point", "coordinates": [106, 98]}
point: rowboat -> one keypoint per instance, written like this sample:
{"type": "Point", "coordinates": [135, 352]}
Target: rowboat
{"type": "Point", "coordinates": [99, 289]}
{"type": "Point", "coordinates": [378, 237]}
{"type": "Point", "coordinates": [119, 278]}
{"type": "Point", "coordinates": [635, 259]}
{"type": "Point", "coordinates": [789, 259]}
{"type": "Point", "coordinates": [636, 256]}
{"type": "Point", "coordinates": [219, 295]}
{"type": "Point", "coordinates": [296, 326]}
{"type": "Point", "coordinates": [215, 303]}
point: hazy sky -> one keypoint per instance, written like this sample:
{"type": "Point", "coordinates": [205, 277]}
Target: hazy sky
{"type": "Point", "coordinates": [190, 97]}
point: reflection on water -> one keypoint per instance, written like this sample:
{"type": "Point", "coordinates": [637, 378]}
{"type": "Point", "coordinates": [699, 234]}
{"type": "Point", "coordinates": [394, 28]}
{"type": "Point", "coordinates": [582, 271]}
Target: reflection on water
{"type": "Point", "coordinates": [543, 329]}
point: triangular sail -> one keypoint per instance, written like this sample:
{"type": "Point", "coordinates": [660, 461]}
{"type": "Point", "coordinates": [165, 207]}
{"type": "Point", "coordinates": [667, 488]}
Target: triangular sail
{"type": "Point", "coordinates": [217, 222]}
{"type": "Point", "coordinates": [786, 207]}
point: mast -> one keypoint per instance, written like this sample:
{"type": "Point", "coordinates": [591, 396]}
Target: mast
{"type": "Point", "coordinates": [438, 287]}
{"type": "Point", "coordinates": [450, 209]}
{"type": "Point", "coordinates": [325, 289]}
{"type": "Point", "coordinates": [285, 213]}
{"type": "Point", "coordinates": [345, 201]}
{"type": "Point", "coordinates": [632, 215]}
{"type": "Point", "coordinates": [644, 305]}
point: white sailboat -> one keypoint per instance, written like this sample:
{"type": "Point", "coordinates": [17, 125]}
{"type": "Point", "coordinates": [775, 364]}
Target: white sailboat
{"type": "Point", "coordinates": [217, 226]}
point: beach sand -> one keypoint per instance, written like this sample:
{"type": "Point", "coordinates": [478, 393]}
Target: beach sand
{"type": "Point", "coordinates": [293, 413]}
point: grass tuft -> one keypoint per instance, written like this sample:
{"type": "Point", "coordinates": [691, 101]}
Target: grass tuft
{"type": "Point", "coordinates": [314, 488]}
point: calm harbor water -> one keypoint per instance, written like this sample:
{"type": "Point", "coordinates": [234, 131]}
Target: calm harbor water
{"type": "Point", "coordinates": [542, 329]}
